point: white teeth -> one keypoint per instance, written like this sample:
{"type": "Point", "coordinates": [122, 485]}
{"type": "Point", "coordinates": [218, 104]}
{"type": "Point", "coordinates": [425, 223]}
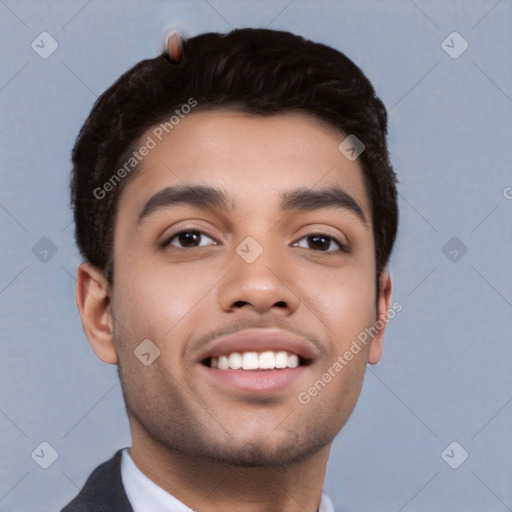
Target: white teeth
{"type": "Point", "coordinates": [293, 361]}
{"type": "Point", "coordinates": [223, 363]}
{"type": "Point", "coordinates": [250, 361]}
{"type": "Point", "coordinates": [235, 361]}
{"type": "Point", "coordinates": [281, 359]}
{"type": "Point", "coordinates": [267, 360]}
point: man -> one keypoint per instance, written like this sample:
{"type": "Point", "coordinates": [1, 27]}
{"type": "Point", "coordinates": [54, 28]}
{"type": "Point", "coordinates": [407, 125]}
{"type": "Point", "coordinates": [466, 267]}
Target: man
{"type": "Point", "coordinates": [236, 208]}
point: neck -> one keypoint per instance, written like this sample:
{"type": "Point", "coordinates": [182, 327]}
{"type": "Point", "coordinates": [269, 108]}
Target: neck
{"type": "Point", "coordinates": [208, 485]}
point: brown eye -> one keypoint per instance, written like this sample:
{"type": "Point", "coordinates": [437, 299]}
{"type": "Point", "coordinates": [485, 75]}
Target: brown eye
{"type": "Point", "coordinates": [187, 239]}
{"type": "Point", "coordinates": [322, 242]}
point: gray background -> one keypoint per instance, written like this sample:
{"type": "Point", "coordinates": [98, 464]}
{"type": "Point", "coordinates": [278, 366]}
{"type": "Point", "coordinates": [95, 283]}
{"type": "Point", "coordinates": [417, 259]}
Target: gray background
{"type": "Point", "coordinates": [446, 371]}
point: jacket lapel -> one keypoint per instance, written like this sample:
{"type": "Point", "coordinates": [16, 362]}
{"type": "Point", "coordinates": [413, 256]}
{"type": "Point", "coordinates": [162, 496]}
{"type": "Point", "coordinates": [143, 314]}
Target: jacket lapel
{"type": "Point", "coordinates": [103, 491]}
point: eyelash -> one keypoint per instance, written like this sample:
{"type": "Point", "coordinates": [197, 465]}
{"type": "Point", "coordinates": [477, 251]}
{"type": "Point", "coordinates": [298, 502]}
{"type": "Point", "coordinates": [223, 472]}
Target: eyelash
{"type": "Point", "coordinates": [343, 247]}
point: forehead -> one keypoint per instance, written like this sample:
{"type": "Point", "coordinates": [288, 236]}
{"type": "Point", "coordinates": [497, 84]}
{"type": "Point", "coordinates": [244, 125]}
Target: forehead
{"type": "Point", "coordinates": [252, 157]}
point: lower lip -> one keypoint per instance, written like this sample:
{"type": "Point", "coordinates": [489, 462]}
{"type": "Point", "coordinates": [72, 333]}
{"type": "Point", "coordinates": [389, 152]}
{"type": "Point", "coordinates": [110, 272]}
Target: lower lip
{"type": "Point", "coordinates": [264, 381]}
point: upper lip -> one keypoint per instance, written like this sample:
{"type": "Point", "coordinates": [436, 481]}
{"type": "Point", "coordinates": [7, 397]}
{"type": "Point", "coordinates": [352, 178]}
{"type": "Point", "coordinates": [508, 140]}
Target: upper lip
{"type": "Point", "coordinates": [259, 340]}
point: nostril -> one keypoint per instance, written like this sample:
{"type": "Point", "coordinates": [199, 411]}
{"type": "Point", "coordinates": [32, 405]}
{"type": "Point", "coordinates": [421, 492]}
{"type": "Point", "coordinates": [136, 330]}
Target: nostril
{"type": "Point", "coordinates": [240, 303]}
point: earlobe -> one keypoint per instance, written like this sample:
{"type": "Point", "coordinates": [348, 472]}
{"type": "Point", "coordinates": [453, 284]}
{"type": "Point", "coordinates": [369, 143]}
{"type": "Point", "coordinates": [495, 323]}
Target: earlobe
{"type": "Point", "coordinates": [93, 302]}
{"type": "Point", "coordinates": [383, 306]}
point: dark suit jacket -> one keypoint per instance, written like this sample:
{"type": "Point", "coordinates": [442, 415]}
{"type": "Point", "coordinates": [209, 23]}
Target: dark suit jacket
{"type": "Point", "coordinates": [103, 491]}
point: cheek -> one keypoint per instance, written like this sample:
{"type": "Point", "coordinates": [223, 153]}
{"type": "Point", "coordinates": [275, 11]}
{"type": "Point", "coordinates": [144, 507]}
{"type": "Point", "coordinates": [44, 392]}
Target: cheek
{"type": "Point", "coordinates": [344, 299]}
{"type": "Point", "coordinates": [155, 300]}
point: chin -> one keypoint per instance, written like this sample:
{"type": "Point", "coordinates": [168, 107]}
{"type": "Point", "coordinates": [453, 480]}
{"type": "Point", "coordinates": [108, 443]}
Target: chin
{"type": "Point", "coordinates": [264, 454]}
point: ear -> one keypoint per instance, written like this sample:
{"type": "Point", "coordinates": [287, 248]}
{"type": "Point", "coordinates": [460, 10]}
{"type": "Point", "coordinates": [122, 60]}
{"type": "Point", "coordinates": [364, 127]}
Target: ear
{"type": "Point", "coordinates": [174, 47]}
{"type": "Point", "coordinates": [93, 301]}
{"type": "Point", "coordinates": [383, 305]}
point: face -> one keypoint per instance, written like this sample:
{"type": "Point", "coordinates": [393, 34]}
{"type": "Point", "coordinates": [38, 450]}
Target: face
{"type": "Point", "coordinates": [271, 264]}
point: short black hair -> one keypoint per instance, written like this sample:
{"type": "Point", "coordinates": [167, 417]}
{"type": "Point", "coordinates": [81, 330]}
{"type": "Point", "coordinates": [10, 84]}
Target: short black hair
{"type": "Point", "coordinates": [259, 71]}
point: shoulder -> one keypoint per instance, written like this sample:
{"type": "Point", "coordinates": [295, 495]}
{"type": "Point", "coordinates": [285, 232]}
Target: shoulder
{"type": "Point", "coordinates": [103, 491]}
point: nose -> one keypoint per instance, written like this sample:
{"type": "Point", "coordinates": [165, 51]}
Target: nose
{"type": "Point", "coordinates": [264, 285]}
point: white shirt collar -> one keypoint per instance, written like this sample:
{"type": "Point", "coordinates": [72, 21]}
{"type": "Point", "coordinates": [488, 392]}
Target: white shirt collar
{"type": "Point", "coordinates": [146, 496]}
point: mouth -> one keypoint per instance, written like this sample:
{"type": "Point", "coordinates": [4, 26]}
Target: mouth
{"type": "Point", "coordinates": [256, 361]}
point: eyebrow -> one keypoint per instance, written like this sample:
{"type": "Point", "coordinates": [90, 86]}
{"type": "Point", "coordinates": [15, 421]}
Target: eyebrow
{"type": "Point", "coordinates": [210, 198]}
